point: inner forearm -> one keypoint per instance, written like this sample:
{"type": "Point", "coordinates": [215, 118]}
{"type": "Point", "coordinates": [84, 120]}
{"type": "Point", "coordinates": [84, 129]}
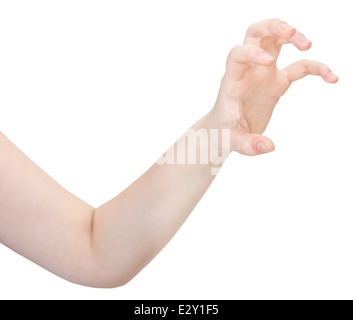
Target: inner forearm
{"type": "Point", "coordinates": [129, 230]}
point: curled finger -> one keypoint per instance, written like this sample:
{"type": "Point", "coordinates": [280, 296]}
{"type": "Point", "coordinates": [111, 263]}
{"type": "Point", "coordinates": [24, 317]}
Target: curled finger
{"type": "Point", "coordinates": [240, 57]}
{"type": "Point", "coordinates": [301, 69]}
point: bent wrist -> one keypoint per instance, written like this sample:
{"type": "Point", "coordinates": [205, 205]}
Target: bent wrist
{"type": "Point", "coordinates": [213, 139]}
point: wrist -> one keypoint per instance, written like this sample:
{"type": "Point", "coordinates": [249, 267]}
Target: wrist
{"type": "Point", "coordinates": [228, 112]}
{"type": "Point", "coordinates": [213, 140]}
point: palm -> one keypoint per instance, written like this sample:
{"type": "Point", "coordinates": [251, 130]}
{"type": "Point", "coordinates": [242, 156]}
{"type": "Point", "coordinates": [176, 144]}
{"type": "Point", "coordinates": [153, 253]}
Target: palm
{"type": "Point", "coordinates": [257, 93]}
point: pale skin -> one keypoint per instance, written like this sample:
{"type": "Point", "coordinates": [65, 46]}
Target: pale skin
{"type": "Point", "coordinates": [107, 246]}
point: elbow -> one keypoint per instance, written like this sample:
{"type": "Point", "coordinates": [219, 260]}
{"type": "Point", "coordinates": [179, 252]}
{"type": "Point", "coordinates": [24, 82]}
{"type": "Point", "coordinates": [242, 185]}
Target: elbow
{"type": "Point", "coordinates": [112, 283]}
{"type": "Point", "coordinates": [104, 279]}
{"type": "Point", "coordinates": [102, 269]}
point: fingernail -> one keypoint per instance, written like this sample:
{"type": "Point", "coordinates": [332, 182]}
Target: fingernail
{"type": "Point", "coordinates": [303, 39]}
{"type": "Point", "coordinates": [265, 56]}
{"type": "Point", "coordinates": [332, 76]}
{"type": "Point", "coordinates": [263, 147]}
{"type": "Point", "coordinates": [286, 26]}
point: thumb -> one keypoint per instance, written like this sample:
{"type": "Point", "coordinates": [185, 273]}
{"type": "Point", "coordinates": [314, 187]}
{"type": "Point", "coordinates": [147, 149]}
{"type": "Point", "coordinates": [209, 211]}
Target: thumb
{"type": "Point", "coordinates": [251, 144]}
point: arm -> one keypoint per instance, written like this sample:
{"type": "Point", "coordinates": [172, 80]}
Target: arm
{"type": "Point", "coordinates": [107, 246]}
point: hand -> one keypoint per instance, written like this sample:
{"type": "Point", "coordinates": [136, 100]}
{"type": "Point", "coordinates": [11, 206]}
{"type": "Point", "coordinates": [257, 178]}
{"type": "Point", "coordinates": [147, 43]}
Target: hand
{"type": "Point", "coordinates": [252, 84]}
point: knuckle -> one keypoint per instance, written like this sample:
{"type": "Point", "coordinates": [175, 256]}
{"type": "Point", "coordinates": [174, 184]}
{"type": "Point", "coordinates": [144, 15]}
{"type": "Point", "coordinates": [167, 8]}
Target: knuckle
{"type": "Point", "coordinates": [273, 23]}
{"type": "Point", "coordinates": [252, 28]}
{"type": "Point", "coordinates": [306, 64]}
{"type": "Point", "coordinates": [236, 49]}
{"type": "Point", "coordinates": [276, 20]}
{"type": "Point", "coordinates": [234, 52]}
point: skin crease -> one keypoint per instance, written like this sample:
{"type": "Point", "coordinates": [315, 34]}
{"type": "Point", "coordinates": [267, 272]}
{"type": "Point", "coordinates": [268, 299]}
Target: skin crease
{"type": "Point", "coordinates": [107, 246]}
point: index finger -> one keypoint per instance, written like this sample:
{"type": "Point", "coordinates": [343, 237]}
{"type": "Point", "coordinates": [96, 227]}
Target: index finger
{"type": "Point", "coordinates": [271, 34]}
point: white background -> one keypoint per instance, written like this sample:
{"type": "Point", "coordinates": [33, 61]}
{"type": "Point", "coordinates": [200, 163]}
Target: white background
{"type": "Point", "coordinates": [95, 91]}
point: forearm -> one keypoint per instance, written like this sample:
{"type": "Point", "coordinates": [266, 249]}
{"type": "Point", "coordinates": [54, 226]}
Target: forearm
{"type": "Point", "coordinates": [107, 246]}
{"type": "Point", "coordinates": [129, 230]}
